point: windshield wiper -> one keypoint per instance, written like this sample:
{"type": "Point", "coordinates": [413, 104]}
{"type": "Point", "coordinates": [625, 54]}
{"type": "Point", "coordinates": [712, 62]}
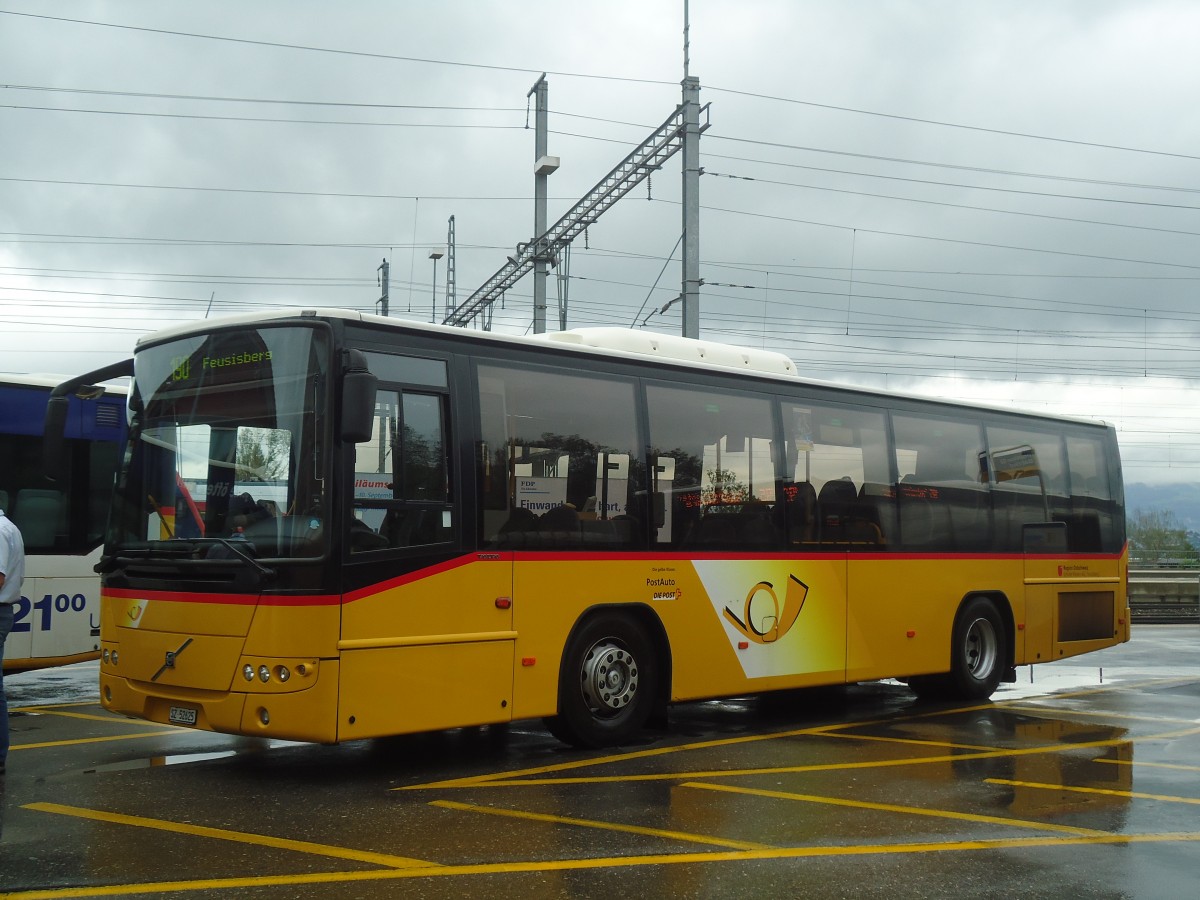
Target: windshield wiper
{"type": "Point", "coordinates": [265, 571]}
{"type": "Point", "coordinates": [182, 548]}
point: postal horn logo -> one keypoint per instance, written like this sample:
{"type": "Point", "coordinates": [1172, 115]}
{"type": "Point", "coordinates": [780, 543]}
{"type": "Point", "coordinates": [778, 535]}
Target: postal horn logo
{"type": "Point", "coordinates": [763, 620]}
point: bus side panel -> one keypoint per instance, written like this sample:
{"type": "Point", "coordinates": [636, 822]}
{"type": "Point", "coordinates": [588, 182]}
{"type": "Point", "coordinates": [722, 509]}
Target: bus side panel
{"type": "Point", "coordinates": [1080, 604]}
{"type": "Point", "coordinates": [399, 690]}
{"type": "Point", "coordinates": [902, 610]}
{"type": "Point", "coordinates": [430, 649]}
{"type": "Point", "coordinates": [734, 624]}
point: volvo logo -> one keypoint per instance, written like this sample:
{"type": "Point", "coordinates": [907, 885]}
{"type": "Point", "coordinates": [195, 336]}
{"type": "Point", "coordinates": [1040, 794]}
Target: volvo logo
{"type": "Point", "coordinates": [169, 661]}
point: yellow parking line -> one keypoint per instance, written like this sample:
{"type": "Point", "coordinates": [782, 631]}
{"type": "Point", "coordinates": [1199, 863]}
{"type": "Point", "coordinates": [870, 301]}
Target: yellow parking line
{"type": "Point", "coordinates": [890, 807]}
{"type": "Point", "coordinates": [814, 731]}
{"type": "Point", "coordinates": [241, 837]}
{"type": "Point", "coordinates": [605, 826]}
{"type": "Point", "coordinates": [474, 780]}
{"type": "Point", "coordinates": [1128, 795]}
{"type": "Point", "coordinates": [49, 711]}
{"type": "Point", "coordinates": [563, 865]}
{"type": "Point", "coordinates": [94, 740]}
{"type": "Point", "coordinates": [519, 779]}
{"type": "Point", "coordinates": [916, 742]}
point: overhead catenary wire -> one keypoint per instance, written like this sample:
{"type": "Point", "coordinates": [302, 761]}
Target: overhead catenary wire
{"type": "Point", "coordinates": [871, 324]}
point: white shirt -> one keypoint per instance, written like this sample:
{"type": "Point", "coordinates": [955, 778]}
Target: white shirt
{"type": "Point", "coordinates": [12, 560]}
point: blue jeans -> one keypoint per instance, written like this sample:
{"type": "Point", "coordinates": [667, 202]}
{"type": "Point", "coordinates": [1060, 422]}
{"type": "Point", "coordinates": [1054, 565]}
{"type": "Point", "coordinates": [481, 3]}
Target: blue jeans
{"type": "Point", "coordinates": [6, 624]}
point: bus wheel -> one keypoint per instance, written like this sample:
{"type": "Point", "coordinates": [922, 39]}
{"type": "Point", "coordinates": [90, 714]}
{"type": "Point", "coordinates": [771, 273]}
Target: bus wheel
{"type": "Point", "coordinates": [978, 656]}
{"type": "Point", "coordinates": [607, 684]}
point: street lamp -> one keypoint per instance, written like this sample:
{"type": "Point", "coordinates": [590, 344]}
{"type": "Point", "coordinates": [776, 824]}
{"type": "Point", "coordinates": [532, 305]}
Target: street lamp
{"type": "Point", "coordinates": [435, 255]}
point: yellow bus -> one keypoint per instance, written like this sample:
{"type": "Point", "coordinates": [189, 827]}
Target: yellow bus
{"type": "Point", "coordinates": [331, 526]}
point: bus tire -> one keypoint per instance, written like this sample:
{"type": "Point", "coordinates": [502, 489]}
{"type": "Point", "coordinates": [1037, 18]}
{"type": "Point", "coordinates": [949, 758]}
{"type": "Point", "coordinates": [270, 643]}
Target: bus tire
{"type": "Point", "coordinates": [978, 656]}
{"type": "Point", "coordinates": [607, 684]}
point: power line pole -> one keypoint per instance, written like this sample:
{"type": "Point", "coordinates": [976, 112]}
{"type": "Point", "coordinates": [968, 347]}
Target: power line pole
{"type": "Point", "coordinates": [383, 280]}
{"type": "Point", "coordinates": [434, 255]}
{"type": "Point", "coordinates": [691, 207]}
{"type": "Point", "coordinates": [648, 157]}
{"type": "Point", "coordinates": [543, 165]}
{"type": "Point", "coordinates": [451, 279]}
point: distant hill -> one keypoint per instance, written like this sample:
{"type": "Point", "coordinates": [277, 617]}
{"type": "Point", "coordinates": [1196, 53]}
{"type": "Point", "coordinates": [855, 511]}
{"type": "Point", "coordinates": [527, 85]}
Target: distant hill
{"type": "Point", "coordinates": [1182, 499]}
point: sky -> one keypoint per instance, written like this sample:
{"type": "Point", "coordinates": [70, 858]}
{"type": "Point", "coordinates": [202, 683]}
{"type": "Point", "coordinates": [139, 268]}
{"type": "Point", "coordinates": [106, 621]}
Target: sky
{"type": "Point", "coordinates": [987, 201]}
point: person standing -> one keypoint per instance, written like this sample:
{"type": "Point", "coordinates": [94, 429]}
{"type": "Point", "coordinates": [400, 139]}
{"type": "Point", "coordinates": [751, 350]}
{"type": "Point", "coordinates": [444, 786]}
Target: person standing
{"type": "Point", "coordinates": [12, 573]}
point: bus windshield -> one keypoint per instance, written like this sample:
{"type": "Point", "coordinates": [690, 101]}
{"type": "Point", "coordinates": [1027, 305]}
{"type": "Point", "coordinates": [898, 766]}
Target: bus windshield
{"type": "Point", "coordinates": [226, 447]}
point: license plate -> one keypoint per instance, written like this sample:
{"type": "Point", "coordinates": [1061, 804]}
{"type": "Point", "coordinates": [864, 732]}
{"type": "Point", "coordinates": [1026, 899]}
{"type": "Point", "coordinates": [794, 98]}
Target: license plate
{"type": "Point", "coordinates": [182, 715]}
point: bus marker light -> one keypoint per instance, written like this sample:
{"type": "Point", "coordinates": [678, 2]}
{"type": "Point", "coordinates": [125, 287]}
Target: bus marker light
{"type": "Point", "coordinates": [743, 645]}
{"type": "Point", "coordinates": [248, 672]}
{"type": "Point", "coordinates": [1020, 626]}
{"type": "Point", "coordinates": [528, 661]}
{"type": "Point", "coordinates": [282, 673]}
{"type": "Point", "coordinates": [503, 602]}
{"type": "Point", "coordinates": [264, 674]}
{"type": "Point", "coordinates": [912, 634]}
{"type": "Point", "coordinates": [264, 716]}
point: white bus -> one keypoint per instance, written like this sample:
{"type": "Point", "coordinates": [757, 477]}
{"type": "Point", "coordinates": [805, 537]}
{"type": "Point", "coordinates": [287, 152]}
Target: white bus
{"type": "Point", "coordinates": [57, 619]}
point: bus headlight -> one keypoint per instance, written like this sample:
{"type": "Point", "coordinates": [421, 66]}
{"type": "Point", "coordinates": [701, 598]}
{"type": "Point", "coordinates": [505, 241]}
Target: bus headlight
{"type": "Point", "coordinates": [278, 675]}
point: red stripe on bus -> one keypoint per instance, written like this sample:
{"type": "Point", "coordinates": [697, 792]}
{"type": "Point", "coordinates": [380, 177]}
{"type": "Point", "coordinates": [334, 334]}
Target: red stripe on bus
{"type": "Point", "coordinates": [224, 599]}
{"type": "Point", "coordinates": [419, 574]}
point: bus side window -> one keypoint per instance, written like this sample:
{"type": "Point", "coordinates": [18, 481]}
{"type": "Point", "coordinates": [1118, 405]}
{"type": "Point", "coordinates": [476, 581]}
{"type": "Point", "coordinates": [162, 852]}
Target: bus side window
{"type": "Point", "coordinates": [558, 463]}
{"type": "Point", "coordinates": [713, 456]}
{"type": "Point", "coordinates": [1029, 481]}
{"type": "Point", "coordinates": [839, 486]}
{"type": "Point", "coordinates": [943, 493]}
{"type": "Point", "coordinates": [401, 475]}
{"type": "Point", "coordinates": [1094, 521]}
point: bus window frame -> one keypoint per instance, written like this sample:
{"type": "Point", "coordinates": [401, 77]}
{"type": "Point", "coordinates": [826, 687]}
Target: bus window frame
{"type": "Point", "coordinates": [456, 489]}
{"type": "Point", "coordinates": [639, 506]}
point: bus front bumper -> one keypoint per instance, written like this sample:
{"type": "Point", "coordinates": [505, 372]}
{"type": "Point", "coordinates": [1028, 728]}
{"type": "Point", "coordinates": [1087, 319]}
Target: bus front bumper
{"type": "Point", "coordinates": [307, 715]}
